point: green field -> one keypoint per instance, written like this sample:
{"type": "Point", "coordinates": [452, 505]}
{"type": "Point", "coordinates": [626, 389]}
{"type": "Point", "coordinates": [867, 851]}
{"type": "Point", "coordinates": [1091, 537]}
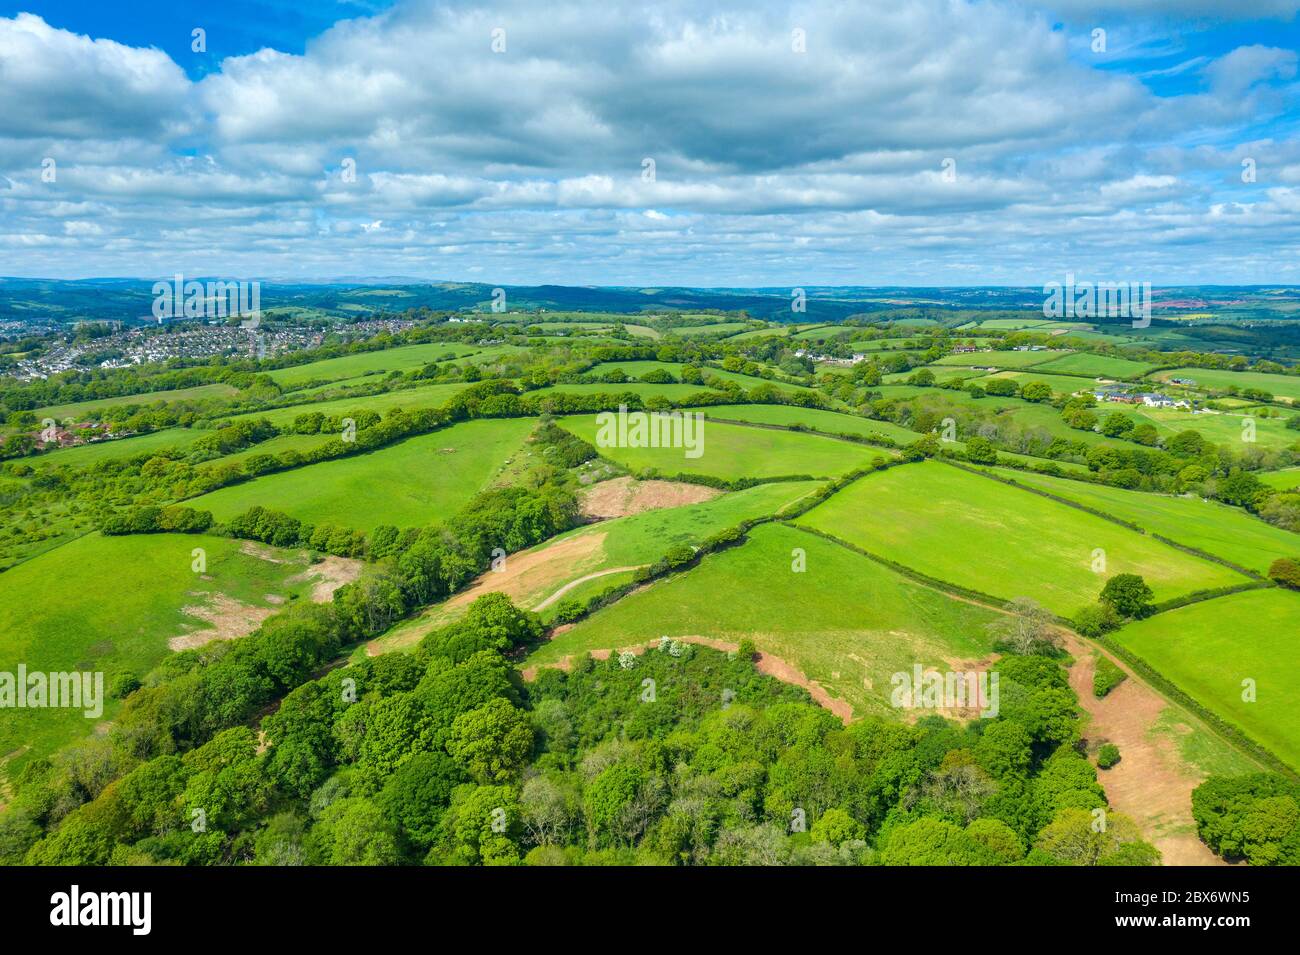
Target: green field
{"type": "Point", "coordinates": [1207, 649]}
{"type": "Point", "coordinates": [425, 396]}
{"type": "Point", "coordinates": [87, 454]}
{"type": "Point", "coordinates": [1284, 480]}
{"type": "Point", "coordinates": [1002, 359]}
{"type": "Point", "coordinates": [404, 358]}
{"type": "Point", "coordinates": [635, 369]}
{"type": "Point", "coordinates": [1003, 541]}
{"type": "Point", "coordinates": [1226, 532]}
{"type": "Point", "coordinates": [75, 410]}
{"type": "Point", "coordinates": [1060, 384]}
{"type": "Point", "coordinates": [735, 451]}
{"type": "Point", "coordinates": [814, 419]}
{"type": "Point", "coordinates": [1280, 386]}
{"type": "Point", "coordinates": [940, 372]}
{"type": "Point", "coordinates": [415, 482]}
{"type": "Point", "coordinates": [1097, 366]}
{"type": "Point", "coordinates": [110, 604]}
{"type": "Point", "coordinates": [720, 329]}
{"type": "Point", "coordinates": [845, 622]}
{"type": "Point", "coordinates": [1219, 428]}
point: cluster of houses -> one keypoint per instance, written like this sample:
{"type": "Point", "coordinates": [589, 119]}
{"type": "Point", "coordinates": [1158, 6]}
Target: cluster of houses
{"type": "Point", "coordinates": [1150, 399]}
{"type": "Point", "coordinates": [830, 359]}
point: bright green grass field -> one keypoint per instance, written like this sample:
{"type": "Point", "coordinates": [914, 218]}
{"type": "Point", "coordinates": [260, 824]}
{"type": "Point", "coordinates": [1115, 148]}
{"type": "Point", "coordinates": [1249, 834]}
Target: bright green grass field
{"type": "Point", "coordinates": [1217, 529]}
{"type": "Point", "coordinates": [735, 451]}
{"type": "Point", "coordinates": [389, 359]}
{"type": "Point", "coordinates": [415, 482]}
{"type": "Point", "coordinates": [832, 422]}
{"type": "Point", "coordinates": [1025, 413]}
{"type": "Point", "coordinates": [1002, 359]}
{"type": "Point", "coordinates": [76, 409]}
{"type": "Point", "coordinates": [1284, 480]}
{"type": "Point", "coordinates": [940, 372]}
{"type": "Point", "coordinates": [87, 454]}
{"type": "Point", "coordinates": [845, 621]}
{"type": "Point", "coordinates": [426, 396]}
{"type": "Point", "coordinates": [673, 392]}
{"type": "Point", "coordinates": [110, 604]}
{"type": "Point", "coordinates": [1280, 386]}
{"type": "Point", "coordinates": [1096, 366]}
{"type": "Point", "coordinates": [722, 328]}
{"type": "Point", "coordinates": [635, 369]}
{"type": "Point", "coordinates": [1060, 384]}
{"type": "Point", "coordinates": [814, 419]}
{"type": "Point", "coordinates": [1003, 541]}
{"type": "Point", "coordinates": [1225, 429]}
{"type": "Point", "coordinates": [1207, 649]}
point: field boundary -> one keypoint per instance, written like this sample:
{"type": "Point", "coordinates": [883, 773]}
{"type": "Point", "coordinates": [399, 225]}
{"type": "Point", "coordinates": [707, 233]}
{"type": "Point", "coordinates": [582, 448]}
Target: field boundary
{"type": "Point", "coordinates": [1228, 731]}
{"type": "Point", "coordinates": [1096, 512]}
{"type": "Point", "coordinates": [935, 583]}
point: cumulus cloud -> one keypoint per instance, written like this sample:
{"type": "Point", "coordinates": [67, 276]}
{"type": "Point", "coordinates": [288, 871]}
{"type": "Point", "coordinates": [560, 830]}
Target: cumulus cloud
{"type": "Point", "coordinates": [882, 142]}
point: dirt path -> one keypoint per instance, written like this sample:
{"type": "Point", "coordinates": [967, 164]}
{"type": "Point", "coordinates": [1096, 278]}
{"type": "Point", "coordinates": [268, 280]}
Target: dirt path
{"type": "Point", "coordinates": [1151, 784]}
{"type": "Point", "coordinates": [582, 580]}
{"type": "Point", "coordinates": [774, 667]}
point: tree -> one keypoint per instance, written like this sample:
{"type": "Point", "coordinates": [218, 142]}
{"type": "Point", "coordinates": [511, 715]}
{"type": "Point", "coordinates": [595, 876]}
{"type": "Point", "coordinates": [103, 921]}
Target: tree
{"type": "Point", "coordinates": [1027, 627]}
{"type": "Point", "coordinates": [837, 826]}
{"type": "Point", "coordinates": [356, 832]}
{"type": "Point", "coordinates": [1080, 837]}
{"type": "Point", "coordinates": [1286, 572]}
{"type": "Point", "coordinates": [491, 742]}
{"type": "Point", "coordinates": [1128, 594]}
{"type": "Point", "coordinates": [1107, 755]}
{"type": "Point", "coordinates": [1036, 391]}
{"type": "Point", "coordinates": [1116, 425]}
{"type": "Point", "coordinates": [981, 450]}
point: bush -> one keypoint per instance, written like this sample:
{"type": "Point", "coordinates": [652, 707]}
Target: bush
{"type": "Point", "coordinates": [1286, 572]}
{"type": "Point", "coordinates": [1107, 756]}
{"type": "Point", "coordinates": [1099, 619]}
{"type": "Point", "coordinates": [1106, 677]}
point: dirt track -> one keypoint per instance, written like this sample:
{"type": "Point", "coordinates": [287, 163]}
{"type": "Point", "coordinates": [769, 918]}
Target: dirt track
{"type": "Point", "coordinates": [1151, 784]}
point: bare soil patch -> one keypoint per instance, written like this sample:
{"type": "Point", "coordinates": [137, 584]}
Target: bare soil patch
{"type": "Point", "coordinates": [1152, 783]}
{"type": "Point", "coordinates": [229, 619]}
{"type": "Point", "coordinates": [620, 497]}
{"type": "Point", "coordinates": [330, 574]}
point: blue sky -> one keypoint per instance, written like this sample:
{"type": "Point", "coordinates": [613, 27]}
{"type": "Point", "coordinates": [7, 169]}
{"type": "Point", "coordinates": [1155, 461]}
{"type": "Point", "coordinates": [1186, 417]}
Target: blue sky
{"type": "Point", "coordinates": [913, 142]}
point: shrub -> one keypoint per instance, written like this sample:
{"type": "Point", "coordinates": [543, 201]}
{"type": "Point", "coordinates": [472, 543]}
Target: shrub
{"type": "Point", "coordinates": [1106, 677]}
{"type": "Point", "coordinates": [1286, 572]}
{"type": "Point", "coordinates": [1099, 619]}
{"type": "Point", "coordinates": [1108, 756]}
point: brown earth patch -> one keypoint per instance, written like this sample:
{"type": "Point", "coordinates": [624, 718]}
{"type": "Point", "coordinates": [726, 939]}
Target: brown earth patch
{"type": "Point", "coordinates": [229, 618]}
{"type": "Point", "coordinates": [330, 574]}
{"type": "Point", "coordinates": [1152, 784]}
{"type": "Point", "coordinates": [261, 552]}
{"type": "Point", "coordinates": [524, 575]}
{"type": "Point", "coordinates": [620, 497]}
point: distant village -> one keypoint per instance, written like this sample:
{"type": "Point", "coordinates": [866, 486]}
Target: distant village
{"type": "Point", "coordinates": [143, 346]}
